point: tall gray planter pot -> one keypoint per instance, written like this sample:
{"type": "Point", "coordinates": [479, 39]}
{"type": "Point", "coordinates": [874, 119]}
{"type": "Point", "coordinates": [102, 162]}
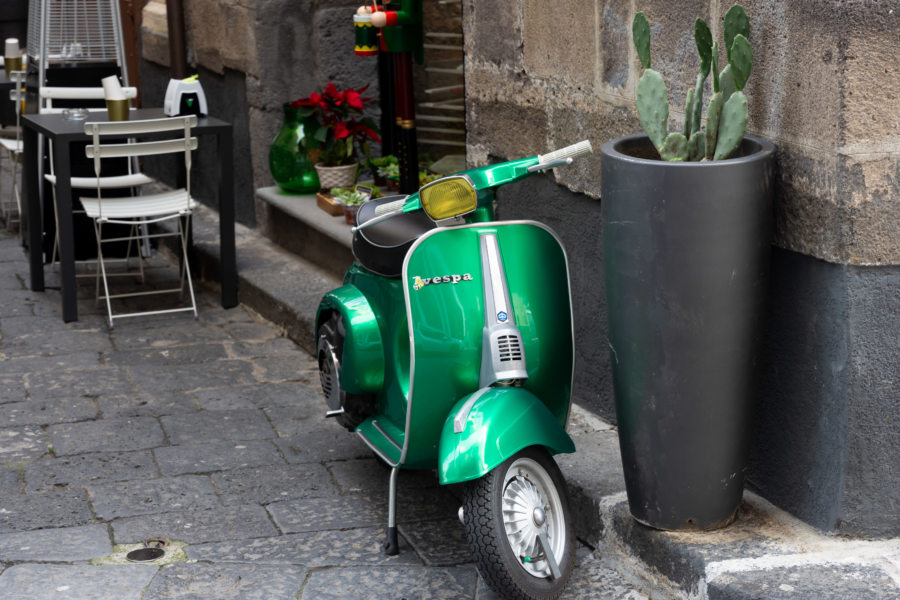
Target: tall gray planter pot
{"type": "Point", "coordinates": [686, 256]}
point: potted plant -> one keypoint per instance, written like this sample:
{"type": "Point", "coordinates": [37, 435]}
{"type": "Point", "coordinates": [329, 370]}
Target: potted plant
{"type": "Point", "coordinates": [384, 166]}
{"type": "Point", "coordinates": [686, 237]}
{"type": "Point", "coordinates": [351, 199]}
{"type": "Point", "coordinates": [336, 131]}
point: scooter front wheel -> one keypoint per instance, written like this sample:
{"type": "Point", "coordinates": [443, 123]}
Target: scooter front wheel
{"type": "Point", "coordinates": [518, 527]}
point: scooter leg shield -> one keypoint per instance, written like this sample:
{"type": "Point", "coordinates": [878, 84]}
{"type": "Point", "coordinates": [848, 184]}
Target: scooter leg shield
{"type": "Point", "coordinates": [362, 360]}
{"type": "Point", "coordinates": [492, 424]}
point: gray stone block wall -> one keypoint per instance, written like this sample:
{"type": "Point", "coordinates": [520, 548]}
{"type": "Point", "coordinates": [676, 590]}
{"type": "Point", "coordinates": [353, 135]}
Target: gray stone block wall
{"type": "Point", "coordinates": [255, 56]}
{"type": "Point", "coordinates": [542, 75]}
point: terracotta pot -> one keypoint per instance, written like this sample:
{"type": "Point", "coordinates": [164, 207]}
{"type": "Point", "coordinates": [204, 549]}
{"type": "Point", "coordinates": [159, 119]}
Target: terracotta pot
{"type": "Point", "coordinates": [350, 213]}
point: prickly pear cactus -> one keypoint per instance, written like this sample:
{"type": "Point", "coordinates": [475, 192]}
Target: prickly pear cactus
{"type": "Point", "coordinates": [653, 106]}
{"type": "Point", "coordinates": [727, 113]}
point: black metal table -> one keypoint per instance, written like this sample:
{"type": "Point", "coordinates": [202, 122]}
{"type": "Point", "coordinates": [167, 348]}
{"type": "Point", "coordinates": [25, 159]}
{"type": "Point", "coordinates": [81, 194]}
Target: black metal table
{"type": "Point", "coordinates": [7, 108]}
{"type": "Point", "coordinates": [62, 132]}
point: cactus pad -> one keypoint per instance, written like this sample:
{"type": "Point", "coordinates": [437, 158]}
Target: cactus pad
{"type": "Point", "coordinates": [640, 32]}
{"type": "Point", "coordinates": [689, 112]}
{"type": "Point", "coordinates": [697, 109]}
{"type": "Point", "coordinates": [713, 115]}
{"type": "Point", "coordinates": [732, 125]}
{"type": "Point", "coordinates": [704, 41]}
{"type": "Point", "coordinates": [653, 106]}
{"type": "Point", "coordinates": [741, 61]}
{"type": "Point", "coordinates": [736, 23]}
{"type": "Point", "coordinates": [726, 83]}
{"type": "Point", "coordinates": [696, 146]}
{"type": "Point", "coordinates": [675, 148]}
{"type": "Point", "coordinates": [715, 66]}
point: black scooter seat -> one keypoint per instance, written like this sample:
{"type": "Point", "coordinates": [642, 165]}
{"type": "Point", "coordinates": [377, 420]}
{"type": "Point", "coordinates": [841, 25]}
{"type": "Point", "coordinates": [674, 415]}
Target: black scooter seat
{"type": "Point", "coordinates": [381, 248]}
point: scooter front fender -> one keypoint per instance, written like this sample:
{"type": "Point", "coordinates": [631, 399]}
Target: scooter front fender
{"type": "Point", "coordinates": [490, 425]}
{"type": "Point", "coordinates": [362, 362]}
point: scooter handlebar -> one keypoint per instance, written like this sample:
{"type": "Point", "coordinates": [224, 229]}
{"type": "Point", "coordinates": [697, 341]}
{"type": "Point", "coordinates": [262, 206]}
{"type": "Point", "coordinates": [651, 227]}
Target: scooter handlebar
{"type": "Point", "coordinates": [574, 151]}
{"type": "Point", "coordinates": [388, 207]}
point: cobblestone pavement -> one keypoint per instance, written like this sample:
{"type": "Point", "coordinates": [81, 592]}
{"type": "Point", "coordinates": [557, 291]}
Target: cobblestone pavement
{"type": "Point", "coordinates": [207, 433]}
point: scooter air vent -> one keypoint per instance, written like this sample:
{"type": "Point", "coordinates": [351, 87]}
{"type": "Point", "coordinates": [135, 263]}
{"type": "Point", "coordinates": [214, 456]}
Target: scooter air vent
{"type": "Point", "coordinates": [509, 348]}
{"type": "Point", "coordinates": [503, 354]}
{"type": "Point", "coordinates": [329, 374]}
{"type": "Point", "coordinates": [326, 378]}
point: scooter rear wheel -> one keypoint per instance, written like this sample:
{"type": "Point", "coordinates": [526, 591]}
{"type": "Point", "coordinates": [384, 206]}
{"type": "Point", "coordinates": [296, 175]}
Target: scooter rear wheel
{"type": "Point", "coordinates": [507, 513]}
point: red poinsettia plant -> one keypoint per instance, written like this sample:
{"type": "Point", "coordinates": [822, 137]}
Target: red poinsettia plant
{"type": "Point", "coordinates": [335, 126]}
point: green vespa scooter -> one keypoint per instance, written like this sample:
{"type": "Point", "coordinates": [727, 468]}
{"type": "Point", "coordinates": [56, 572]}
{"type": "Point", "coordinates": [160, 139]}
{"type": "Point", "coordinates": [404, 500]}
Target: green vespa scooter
{"type": "Point", "coordinates": [450, 347]}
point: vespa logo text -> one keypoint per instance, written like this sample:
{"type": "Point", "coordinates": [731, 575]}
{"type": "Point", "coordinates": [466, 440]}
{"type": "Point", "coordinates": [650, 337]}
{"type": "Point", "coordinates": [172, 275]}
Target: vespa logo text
{"type": "Point", "coordinates": [420, 282]}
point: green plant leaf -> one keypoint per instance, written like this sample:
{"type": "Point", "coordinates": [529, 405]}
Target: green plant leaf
{"type": "Point", "coordinates": [640, 33]}
{"type": "Point", "coordinates": [653, 106]}
{"type": "Point", "coordinates": [741, 61]}
{"type": "Point", "coordinates": [732, 125]}
{"type": "Point", "coordinates": [715, 66]}
{"type": "Point", "coordinates": [696, 146]}
{"type": "Point", "coordinates": [688, 112]}
{"type": "Point", "coordinates": [703, 39]}
{"type": "Point", "coordinates": [726, 82]}
{"type": "Point", "coordinates": [697, 112]}
{"type": "Point", "coordinates": [714, 113]}
{"type": "Point", "coordinates": [675, 148]}
{"type": "Point", "coordinates": [736, 23]}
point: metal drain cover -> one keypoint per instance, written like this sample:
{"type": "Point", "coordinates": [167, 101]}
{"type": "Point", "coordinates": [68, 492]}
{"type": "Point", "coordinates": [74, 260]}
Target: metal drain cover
{"type": "Point", "coordinates": [145, 554]}
{"type": "Point", "coordinates": [153, 549]}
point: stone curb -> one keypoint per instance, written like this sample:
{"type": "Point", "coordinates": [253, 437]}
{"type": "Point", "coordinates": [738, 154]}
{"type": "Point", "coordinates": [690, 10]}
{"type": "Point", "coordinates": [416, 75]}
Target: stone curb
{"type": "Point", "coordinates": [765, 554]}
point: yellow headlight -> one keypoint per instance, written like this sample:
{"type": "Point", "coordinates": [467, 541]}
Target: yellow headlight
{"type": "Point", "coordinates": [449, 197]}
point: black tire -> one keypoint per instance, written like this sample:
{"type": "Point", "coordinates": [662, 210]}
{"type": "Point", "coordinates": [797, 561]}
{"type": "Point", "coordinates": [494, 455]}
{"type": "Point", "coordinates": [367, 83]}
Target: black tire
{"type": "Point", "coordinates": [497, 561]}
{"type": "Point", "coordinates": [357, 407]}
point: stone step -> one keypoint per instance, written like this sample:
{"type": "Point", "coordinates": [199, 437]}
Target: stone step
{"type": "Point", "coordinates": [764, 555]}
{"type": "Point", "coordinates": [297, 224]}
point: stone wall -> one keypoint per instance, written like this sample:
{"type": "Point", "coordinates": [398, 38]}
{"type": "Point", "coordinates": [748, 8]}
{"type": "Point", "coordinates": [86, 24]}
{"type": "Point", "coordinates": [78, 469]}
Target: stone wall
{"type": "Point", "coordinates": [822, 81]}
{"type": "Point", "coordinates": [253, 56]}
{"type": "Point", "coordinates": [541, 75]}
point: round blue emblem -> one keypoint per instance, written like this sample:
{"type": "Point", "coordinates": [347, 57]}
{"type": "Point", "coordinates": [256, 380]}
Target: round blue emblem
{"type": "Point", "coordinates": [501, 316]}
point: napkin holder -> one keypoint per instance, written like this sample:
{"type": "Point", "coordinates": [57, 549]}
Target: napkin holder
{"type": "Point", "coordinates": [184, 97]}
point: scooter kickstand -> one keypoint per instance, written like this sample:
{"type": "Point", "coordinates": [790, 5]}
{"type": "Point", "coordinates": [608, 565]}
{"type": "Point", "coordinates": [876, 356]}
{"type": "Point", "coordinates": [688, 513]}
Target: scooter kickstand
{"type": "Point", "coordinates": [391, 546]}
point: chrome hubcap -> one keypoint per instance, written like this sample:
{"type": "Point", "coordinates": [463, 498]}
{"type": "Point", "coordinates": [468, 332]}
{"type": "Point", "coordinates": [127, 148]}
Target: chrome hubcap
{"type": "Point", "coordinates": [531, 505]}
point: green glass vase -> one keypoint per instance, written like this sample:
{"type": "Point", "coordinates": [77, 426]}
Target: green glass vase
{"type": "Point", "coordinates": [289, 161]}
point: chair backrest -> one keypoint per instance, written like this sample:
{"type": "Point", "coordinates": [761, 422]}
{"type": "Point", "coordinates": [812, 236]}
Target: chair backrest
{"type": "Point", "coordinates": [69, 93]}
{"type": "Point", "coordinates": [50, 93]}
{"type": "Point", "coordinates": [138, 146]}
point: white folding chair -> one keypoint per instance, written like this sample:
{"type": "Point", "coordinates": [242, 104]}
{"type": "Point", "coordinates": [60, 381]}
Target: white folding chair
{"type": "Point", "coordinates": [133, 178]}
{"type": "Point", "coordinates": [13, 150]}
{"type": "Point", "coordinates": [147, 209]}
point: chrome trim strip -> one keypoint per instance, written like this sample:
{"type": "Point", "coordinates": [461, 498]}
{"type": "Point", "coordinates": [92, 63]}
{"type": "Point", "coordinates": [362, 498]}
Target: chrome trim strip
{"type": "Point", "coordinates": [376, 450]}
{"type": "Point", "coordinates": [495, 285]}
{"type": "Point", "coordinates": [459, 421]}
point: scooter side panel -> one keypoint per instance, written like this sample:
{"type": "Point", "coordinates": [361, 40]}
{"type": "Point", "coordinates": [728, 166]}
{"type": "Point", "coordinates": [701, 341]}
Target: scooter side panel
{"type": "Point", "coordinates": [444, 292]}
{"type": "Point", "coordinates": [499, 423]}
{"type": "Point", "coordinates": [362, 362]}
